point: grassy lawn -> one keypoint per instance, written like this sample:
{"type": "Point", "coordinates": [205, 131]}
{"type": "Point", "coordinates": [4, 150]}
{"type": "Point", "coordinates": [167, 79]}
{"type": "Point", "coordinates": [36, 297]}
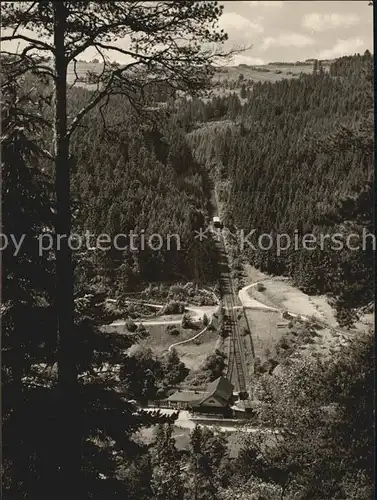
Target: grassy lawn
{"type": "Point", "coordinates": [160, 339]}
{"type": "Point", "coordinates": [194, 353]}
{"type": "Point", "coordinates": [265, 332]}
{"type": "Point", "coordinates": [283, 295]}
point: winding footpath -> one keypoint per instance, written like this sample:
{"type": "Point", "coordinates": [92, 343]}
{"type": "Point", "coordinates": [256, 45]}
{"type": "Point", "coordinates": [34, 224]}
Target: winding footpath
{"type": "Point", "coordinates": [250, 303]}
{"type": "Point", "coordinates": [187, 340]}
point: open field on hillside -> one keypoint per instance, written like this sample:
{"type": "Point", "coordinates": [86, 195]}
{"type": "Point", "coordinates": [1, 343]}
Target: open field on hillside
{"type": "Point", "coordinates": [194, 353]}
{"type": "Point", "coordinates": [159, 338]}
{"type": "Point", "coordinates": [280, 293]}
{"type": "Point", "coordinates": [271, 73]}
{"type": "Point", "coordinates": [283, 295]}
{"type": "Point", "coordinates": [77, 75]}
{"type": "Point", "coordinates": [267, 330]}
{"type": "Point", "coordinates": [275, 339]}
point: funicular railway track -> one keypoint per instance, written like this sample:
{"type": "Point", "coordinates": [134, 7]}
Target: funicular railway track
{"type": "Point", "coordinates": [236, 367]}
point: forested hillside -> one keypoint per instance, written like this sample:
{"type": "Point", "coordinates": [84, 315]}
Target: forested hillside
{"type": "Point", "coordinates": [147, 182]}
{"type": "Point", "coordinates": [298, 160]}
{"type": "Point", "coordinates": [295, 158]}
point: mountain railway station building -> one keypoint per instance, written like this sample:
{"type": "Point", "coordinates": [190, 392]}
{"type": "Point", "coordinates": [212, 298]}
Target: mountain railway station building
{"type": "Point", "coordinates": [218, 398]}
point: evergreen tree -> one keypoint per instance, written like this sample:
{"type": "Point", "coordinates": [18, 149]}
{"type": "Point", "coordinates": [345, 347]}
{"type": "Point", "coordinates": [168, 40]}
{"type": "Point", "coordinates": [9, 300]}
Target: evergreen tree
{"type": "Point", "coordinates": [28, 327]}
{"type": "Point", "coordinates": [206, 454]}
{"type": "Point", "coordinates": [63, 33]}
{"type": "Point", "coordinates": [320, 408]}
{"type": "Point", "coordinates": [243, 93]}
{"type": "Point", "coordinates": [166, 482]}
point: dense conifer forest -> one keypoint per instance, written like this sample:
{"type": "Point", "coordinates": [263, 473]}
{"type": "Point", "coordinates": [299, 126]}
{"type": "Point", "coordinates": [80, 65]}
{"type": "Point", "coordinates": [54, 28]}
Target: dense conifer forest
{"type": "Point", "coordinates": [297, 160]}
{"type": "Point", "coordinates": [147, 182]}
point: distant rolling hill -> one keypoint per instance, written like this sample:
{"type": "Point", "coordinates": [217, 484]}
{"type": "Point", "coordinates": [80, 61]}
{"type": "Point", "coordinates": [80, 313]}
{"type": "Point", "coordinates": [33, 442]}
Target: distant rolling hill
{"type": "Point", "coordinates": [267, 72]}
{"type": "Point", "coordinates": [227, 78]}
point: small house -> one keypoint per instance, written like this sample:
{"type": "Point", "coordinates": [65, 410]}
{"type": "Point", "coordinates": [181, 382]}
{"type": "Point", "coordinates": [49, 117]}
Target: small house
{"type": "Point", "coordinates": [216, 399]}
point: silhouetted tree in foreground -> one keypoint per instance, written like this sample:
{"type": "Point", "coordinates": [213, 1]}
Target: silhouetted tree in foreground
{"type": "Point", "coordinates": [62, 32]}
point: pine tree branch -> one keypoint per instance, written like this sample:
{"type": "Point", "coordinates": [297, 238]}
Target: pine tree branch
{"type": "Point", "coordinates": [96, 100]}
{"type": "Point", "coordinates": [38, 45]}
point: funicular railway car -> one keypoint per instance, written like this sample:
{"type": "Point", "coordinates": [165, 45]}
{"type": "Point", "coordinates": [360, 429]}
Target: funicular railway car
{"type": "Point", "coordinates": [217, 223]}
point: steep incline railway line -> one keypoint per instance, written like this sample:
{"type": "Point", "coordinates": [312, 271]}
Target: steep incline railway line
{"type": "Point", "coordinates": [236, 369]}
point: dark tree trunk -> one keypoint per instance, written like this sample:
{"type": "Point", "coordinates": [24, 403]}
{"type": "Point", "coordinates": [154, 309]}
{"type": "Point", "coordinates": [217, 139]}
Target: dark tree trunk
{"type": "Point", "coordinates": [68, 428]}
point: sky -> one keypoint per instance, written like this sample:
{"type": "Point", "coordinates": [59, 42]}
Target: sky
{"type": "Point", "coordinates": [286, 30]}
{"type": "Point", "coordinates": [298, 30]}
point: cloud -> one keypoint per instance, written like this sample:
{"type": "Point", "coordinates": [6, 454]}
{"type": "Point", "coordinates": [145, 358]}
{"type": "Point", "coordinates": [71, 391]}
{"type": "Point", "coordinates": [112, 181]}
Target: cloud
{"type": "Point", "coordinates": [238, 24]}
{"type": "Point", "coordinates": [287, 40]}
{"type": "Point", "coordinates": [342, 48]}
{"type": "Point", "coordinates": [267, 4]}
{"type": "Point", "coordinates": [250, 61]}
{"type": "Point", "coordinates": [322, 22]}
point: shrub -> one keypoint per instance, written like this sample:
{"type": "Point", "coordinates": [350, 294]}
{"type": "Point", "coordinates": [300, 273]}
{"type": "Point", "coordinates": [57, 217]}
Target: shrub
{"type": "Point", "coordinates": [131, 326]}
{"type": "Point", "coordinates": [257, 364]}
{"type": "Point", "coordinates": [205, 320]}
{"type": "Point", "coordinates": [215, 364]}
{"type": "Point", "coordinates": [261, 287]}
{"type": "Point", "coordinates": [283, 343]}
{"type": "Point", "coordinates": [142, 330]}
{"type": "Point", "coordinates": [174, 331]}
{"type": "Point", "coordinates": [223, 333]}
{"type": "Point", "coordinates": [186, 321]}
{"type": "Point", "coordinates": [175, 289]}
{"type": "Point", "coordinates": [174, 307]}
